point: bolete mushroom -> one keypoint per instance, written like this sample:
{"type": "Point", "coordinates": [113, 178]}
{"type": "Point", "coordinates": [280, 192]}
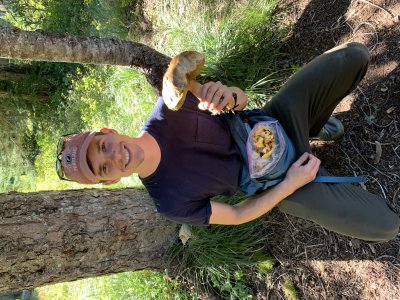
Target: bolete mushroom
{"type": "Point", "coordinates": [179, 78]}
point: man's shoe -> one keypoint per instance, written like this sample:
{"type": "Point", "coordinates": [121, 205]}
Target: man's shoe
{"type": "Point", "coordinates": [332, 130]}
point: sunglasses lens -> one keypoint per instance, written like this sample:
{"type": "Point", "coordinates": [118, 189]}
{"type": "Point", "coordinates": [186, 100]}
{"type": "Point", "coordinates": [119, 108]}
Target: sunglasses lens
{"type": "Point", "coordinates": [60, 147]}
{"type": "Point", "coordinates": [59, 168]}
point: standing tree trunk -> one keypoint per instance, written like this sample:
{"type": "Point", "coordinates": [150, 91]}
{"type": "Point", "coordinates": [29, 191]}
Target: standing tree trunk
{"type": "Point", "coordinates": [60, 47]}
{"type": "Point", "coordinates": [54, 236]}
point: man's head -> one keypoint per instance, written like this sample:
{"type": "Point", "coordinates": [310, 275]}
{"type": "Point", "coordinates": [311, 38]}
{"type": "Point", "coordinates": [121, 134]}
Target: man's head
{"type": "Point", "coordinates": [93, 157]}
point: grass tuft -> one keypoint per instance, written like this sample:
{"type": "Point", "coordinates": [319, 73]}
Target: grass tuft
{"type": "Point", "coordinates": [219, 255]}
{"type": "Point", "coordinates": [290, 290]}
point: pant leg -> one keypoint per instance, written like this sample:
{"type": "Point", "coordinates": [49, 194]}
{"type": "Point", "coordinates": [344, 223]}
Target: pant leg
{"type": "Point", "coordinates": [306, 101]}
{"type": "Point", "coordinates": [345, 209]}
{"type": "Point", "coordinates": [303, 106]}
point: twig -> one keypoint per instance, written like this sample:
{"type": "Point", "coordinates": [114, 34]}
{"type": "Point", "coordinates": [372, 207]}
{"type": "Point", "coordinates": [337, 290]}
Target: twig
{"type": "Point", "coordinates": [375, 33]}
{"type": "Point", "coordinates": [394, 150]}
{"type": "Point", "coordinates": [366, 99]}
{"type": "Point", "coordinates": [382, 144]}
{"type": "Point", "coordinates": [375, 168]}
{"type": "Point", "coordinates": [377, 181]}
{"type": "Point", "coordinates": [378, 6]}
{"type": "Point", "coordinates": [351, 162]}
{"type": "Point", "coordinates": [395, 194]}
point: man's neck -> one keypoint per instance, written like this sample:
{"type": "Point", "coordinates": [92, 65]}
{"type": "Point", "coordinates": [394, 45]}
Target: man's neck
{"type": "Point", "coordinates": [152, 154]}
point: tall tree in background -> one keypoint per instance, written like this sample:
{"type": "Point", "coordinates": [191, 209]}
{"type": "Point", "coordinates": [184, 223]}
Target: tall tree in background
{"type": "Point", "coordinates": [51, 237]}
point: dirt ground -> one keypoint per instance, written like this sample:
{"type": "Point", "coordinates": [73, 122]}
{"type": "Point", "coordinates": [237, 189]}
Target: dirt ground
{"type": "Point", "coordinates": [322, 264]}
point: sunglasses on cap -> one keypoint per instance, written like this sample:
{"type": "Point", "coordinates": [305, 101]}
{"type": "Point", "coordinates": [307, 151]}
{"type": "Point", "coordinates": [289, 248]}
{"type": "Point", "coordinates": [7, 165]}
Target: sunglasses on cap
{"type": "Point", "coordinates": [59, 150]}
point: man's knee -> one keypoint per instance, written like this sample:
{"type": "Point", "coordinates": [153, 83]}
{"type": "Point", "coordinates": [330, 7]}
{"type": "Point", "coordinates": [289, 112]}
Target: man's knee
{"type": "Point", "coordinates": [359, 53]}
{"type": "Point", "coordinates": [356, 54]}
{"type": "Point", "coordinates": [389, 228]}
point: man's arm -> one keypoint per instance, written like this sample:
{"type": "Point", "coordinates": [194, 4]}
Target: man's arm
{"type": "Point", "coordinates": [299, 174]}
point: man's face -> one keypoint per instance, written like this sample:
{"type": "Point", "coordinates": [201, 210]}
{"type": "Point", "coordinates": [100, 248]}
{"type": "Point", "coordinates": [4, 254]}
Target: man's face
{"type": "Point", "coordinates": [112, 156]}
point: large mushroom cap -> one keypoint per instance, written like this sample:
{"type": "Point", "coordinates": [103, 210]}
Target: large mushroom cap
{"type": "Point", "coordinates": [182, 68]}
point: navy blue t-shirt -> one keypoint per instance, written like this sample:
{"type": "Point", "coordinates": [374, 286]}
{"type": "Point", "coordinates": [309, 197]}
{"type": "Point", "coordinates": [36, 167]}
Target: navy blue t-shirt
{"type": "Point", "coordinates": [199, 160]}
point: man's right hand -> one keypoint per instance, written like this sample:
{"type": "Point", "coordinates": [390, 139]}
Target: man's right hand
{"type": "Point", "coordinates": [302, 171]}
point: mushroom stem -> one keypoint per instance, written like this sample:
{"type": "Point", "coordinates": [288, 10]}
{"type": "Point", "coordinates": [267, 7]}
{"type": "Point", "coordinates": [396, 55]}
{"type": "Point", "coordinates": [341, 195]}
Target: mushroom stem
{"type": "Point", "coordinates": [195, 88]}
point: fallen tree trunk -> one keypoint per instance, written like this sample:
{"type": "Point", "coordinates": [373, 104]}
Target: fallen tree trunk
{"type": "Point", "coordinates": [57, 236]}
{"type": "Point", "coordinates": [62, 47]}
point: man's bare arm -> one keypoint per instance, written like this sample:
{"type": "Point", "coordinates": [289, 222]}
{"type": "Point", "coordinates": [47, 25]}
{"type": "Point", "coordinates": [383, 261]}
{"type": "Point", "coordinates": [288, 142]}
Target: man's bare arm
{"type": "Point", "coordinates": [299, 174]}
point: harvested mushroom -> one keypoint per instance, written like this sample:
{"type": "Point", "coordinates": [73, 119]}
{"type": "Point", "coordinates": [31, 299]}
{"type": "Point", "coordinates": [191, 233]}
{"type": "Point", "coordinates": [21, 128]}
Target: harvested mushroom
{"type": "Point", "coordinates": [264, 142]}
{"type": "Point", "coordinates": [179, 76]}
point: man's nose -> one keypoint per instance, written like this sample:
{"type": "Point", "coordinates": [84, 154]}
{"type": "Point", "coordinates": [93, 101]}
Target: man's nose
{"type": "Point", "coordinates": [115, 155]}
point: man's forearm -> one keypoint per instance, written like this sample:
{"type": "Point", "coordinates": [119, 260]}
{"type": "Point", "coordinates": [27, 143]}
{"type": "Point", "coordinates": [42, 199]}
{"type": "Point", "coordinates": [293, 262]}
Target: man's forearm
{"type": "Point", "coordinates": [255, 206]}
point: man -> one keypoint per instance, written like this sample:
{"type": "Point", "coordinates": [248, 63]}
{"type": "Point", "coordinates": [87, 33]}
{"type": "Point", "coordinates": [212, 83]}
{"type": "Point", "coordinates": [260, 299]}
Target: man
{"type": "Point", "coordinates": [186, 157]}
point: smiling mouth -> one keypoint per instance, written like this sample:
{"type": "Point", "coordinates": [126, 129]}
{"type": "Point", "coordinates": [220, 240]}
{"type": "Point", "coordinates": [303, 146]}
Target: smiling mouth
{"type": "Point", "coordinates": [127, 157]}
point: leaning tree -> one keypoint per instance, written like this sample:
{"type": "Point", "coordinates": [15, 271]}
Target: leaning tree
{"type": "Point", "coordinates": [56, 236]}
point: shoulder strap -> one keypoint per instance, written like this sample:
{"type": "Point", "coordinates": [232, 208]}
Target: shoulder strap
{"type": "Point", "coordinates": [340, 179]}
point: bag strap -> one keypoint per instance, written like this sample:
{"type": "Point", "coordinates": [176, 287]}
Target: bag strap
{"type": "Point", "coordinates": [340, 179]}
{"type": "Point", "coordinates": [324, 179]}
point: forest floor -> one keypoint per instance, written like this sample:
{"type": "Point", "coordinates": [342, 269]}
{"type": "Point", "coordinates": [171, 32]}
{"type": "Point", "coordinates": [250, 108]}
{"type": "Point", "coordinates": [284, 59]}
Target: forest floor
{"type": "Point", "coordinates": [322, 264]}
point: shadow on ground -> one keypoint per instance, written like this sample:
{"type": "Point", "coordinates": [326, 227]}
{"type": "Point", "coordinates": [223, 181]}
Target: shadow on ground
{"type": "Point", "coordinates": [326, 265]}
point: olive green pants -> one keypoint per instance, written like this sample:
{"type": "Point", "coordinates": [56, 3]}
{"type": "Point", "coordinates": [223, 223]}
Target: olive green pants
{"type": "Point", "coordinates": [303, 106]}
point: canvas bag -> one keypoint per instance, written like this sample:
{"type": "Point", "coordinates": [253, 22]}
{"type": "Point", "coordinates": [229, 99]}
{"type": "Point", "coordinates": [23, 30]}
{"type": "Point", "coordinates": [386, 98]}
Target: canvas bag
{"type": "Point", "coordinates": [240, 125]}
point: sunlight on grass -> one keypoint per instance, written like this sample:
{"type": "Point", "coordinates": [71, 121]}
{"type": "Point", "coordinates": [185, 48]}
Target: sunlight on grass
{"type": "Point", "coordinates": [140, 285]}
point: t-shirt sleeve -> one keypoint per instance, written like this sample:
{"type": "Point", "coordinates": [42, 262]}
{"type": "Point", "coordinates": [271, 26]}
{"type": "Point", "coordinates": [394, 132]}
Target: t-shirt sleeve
{"type": "Point", "coordinates": [191, 215]}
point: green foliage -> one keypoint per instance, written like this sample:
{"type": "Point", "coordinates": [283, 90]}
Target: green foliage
{"type": "Point", "coordinates": [241, 44]}
{"type": "Point", "coordinates": [32, 102]}
{"type": "Point", "coordinates": [290, 290]}
{"type": "Point", "coordinates": [140, 285]}
{"type": "Point", "coordinates": [219, 255]}
{"type": "Point", "coordinates": [81, 17]}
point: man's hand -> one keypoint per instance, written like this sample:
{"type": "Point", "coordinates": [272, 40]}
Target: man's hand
{"type": "Point", "coordinates": [302, 171]}
{"type": "Point", "coordinates": [215, 97]}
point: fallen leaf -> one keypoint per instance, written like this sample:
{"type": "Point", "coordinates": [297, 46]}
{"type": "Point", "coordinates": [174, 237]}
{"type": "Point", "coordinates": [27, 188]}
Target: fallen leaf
{"type": "Point", "coordinates": [372, 248]}
{"type": "Point", "coordinates": [389, 110]}
{"type": "Point", "coordinates": [378, 152]}
{"type": "Point", "coordinates": [185, 233]}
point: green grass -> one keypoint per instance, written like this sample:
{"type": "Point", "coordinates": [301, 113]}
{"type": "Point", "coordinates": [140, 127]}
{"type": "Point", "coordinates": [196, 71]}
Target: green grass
{"type": "Point", "coordinates": [221, 255]}
{"type": "Point", "coordinates": [241, 43]}
{"type": "Point", "coordinates": [140, 285]}
{"type": "Point", "coordinates": [290, 290]}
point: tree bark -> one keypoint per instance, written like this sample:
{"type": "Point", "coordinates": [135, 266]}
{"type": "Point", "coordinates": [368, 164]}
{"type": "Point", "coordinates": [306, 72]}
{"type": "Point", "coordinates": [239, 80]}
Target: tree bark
{"type": "Point", "coordinates": [56, 236]}
{"type": "Point", "coordinates": [60, 47]}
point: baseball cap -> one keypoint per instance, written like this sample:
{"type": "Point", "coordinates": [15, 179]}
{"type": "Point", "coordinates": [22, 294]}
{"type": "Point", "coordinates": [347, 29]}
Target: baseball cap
{"type": "Point", "coordinates": [71, 161]}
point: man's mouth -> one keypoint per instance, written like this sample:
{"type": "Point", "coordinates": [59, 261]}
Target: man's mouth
{"type": "Point", "coordinates": [127, 157]}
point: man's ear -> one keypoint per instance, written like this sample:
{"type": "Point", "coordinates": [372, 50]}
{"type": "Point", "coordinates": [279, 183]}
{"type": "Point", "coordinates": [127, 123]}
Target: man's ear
{"type": "Point", "coordinates": [108, 130]}
{"type": "Point", "coordinates": [109, 182]}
